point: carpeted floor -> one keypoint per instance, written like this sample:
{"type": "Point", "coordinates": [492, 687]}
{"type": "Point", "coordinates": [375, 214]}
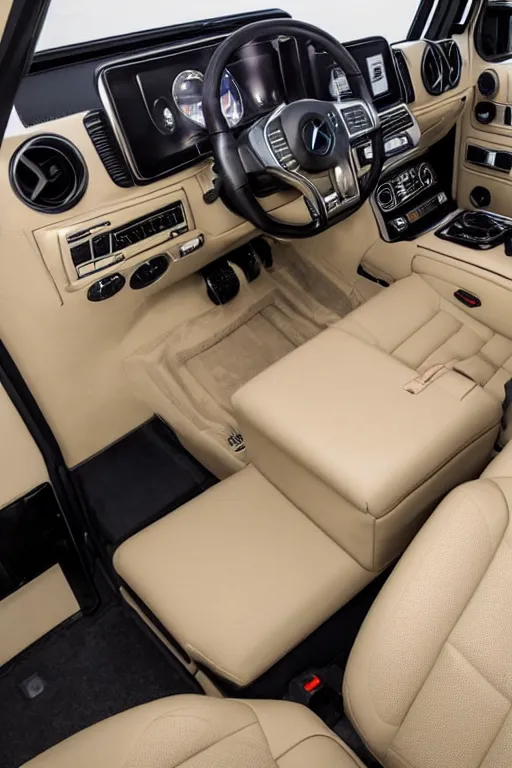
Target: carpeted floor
{"type": "Point", "coordinates": [189, 375]}
{"type": "Point", "coordinates": [92, 668]}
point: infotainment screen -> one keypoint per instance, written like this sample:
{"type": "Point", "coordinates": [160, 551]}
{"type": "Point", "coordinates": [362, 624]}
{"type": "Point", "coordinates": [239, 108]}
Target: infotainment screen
{"type": "Point", "coordinates": [375, 59]}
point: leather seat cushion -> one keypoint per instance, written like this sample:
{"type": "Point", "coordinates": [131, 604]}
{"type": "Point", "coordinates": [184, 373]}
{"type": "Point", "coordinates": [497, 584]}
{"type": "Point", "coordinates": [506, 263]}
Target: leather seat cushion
{"type": "Point", "coordinates": [239, 576]}
{"type": "Point", "coordinates": [202, 732]}
{"type": "Point", "coordinates": [429, 680]}
{"type": "Point", "coordinates": [414, 323]}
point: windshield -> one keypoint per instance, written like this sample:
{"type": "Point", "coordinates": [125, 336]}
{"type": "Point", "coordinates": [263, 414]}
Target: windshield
{"type": "Point", "coordinates": [76, 21]}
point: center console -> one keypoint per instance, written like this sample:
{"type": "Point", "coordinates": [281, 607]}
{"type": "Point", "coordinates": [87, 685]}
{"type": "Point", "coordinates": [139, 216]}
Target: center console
{"type": "Point", "coordinates": [478, 230]}
{"type": "Point", "coordinates": [411, 201]}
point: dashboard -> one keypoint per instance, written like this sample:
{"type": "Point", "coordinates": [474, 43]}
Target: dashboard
{"type": "Point", "coordinates": [154, 101]}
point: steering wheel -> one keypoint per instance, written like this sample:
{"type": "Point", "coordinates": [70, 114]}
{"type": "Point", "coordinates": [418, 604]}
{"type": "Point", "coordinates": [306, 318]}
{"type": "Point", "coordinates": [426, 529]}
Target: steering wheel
{"type": "Point", "coordinates": [301, 143]}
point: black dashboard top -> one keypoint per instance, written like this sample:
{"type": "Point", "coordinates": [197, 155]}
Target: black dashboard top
{"type": "Point", "coordinates": [154, 99]}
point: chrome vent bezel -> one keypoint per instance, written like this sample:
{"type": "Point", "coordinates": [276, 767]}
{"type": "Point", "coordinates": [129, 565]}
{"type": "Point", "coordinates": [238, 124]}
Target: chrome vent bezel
{"type": "Point", "coordinates": [26, 164]}
{"type": "Point", "coordinates": [441, 66]}
{"type": "Point", "coordinates": [434, 69]}
{"type": "Point", "coordinates": [405, 76]}
{"type": "Point", "coordinates": [454, 61]}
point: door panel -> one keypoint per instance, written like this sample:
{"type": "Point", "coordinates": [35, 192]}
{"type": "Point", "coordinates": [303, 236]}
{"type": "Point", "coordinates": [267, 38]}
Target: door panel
{"type": "Point", "coordinates": [33, 610]}
{"type": "Point", "coordinates": [28, 544]}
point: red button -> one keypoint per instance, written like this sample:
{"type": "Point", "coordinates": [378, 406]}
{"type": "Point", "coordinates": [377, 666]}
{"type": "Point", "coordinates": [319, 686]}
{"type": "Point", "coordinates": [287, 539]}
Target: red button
{"type": "Point", "coordinates": [312, 684]}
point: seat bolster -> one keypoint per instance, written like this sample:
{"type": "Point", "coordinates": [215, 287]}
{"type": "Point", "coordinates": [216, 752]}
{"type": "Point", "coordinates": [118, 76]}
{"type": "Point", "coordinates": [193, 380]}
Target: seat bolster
{"type": "Point", "coordinates": [189, 721]}
{"type": "Point", "coordinates": [298, 738]}
{"type": "Point", "coordinates": [418, 607]}
{"type": "Point", "coordinates": [203, 732]}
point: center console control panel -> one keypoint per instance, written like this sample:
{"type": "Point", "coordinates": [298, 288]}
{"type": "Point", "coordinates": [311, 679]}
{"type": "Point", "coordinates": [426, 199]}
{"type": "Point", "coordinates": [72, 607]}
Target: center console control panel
{"type": "Point", "coordinates": [99, 247]}
{"type": "Point", "coordinates": [409, 201]}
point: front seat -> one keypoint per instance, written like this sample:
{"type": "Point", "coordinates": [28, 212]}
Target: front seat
{"type": "Point", "coordinates": [428, 683]}
{"type": "Point", "coordinates": [200, 732]}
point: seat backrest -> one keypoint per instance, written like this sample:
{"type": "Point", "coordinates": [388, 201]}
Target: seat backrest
{"type": "Point", "coordinates": [429, 680]}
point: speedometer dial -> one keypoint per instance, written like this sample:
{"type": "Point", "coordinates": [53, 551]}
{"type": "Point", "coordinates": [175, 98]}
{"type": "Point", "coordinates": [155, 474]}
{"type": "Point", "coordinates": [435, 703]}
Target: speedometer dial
{"type": "Point", "coordinates": [187, 92]}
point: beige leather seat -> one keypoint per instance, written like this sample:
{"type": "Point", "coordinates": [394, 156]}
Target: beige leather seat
{"type": "Point", "coordinates": [199, 732]}
{"type": "Point", "coordinates": [429, 680]}
{"type": "Point", "coordinates": [419, 322]}
{"type": "Point", "coordinates": [348, 466]}
{"type": "Point", "coordinates": [428, 683]}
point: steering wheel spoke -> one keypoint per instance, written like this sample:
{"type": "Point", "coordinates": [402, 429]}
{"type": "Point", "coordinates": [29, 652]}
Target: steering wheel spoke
{"type": "Point", "coordinates": [360, 119]}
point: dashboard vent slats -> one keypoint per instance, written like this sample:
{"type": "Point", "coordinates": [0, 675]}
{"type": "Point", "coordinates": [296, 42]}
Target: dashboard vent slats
{"type": "Point", "coordinates": [441, 67]}
{"type": "Point", "coordinates": [48, 174]}
{"type": "Point", "coordinates": [106, 146]}
{"type": "Point", "coordinates": [405, 77]}
{"type": "Point", "coordinates": [395, 121]}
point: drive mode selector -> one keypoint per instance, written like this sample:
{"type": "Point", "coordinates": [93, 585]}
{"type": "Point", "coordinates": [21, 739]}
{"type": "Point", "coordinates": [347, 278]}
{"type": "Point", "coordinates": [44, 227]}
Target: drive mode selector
{"type": "Point", "coordinates": [386, 198]}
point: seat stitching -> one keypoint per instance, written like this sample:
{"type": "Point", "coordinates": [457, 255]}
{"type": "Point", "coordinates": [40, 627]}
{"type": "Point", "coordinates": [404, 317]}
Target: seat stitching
{"type": "Point", "coordinates": [438, 347]}
{"type": "Point", "coordinates": [412, 582]}
{"type": "Point", "coordinates": [416, 330]}
{"type": "Point", "coordinates": [473, 666]}
{"type": "Point", "coordinates": [224, 738]}
{"type": "Point", "coordinates": [215, 666]}
{"type": "Point", "coordinates": [338, 742]}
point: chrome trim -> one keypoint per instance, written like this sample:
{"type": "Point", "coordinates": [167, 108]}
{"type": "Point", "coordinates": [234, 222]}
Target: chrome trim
{"type": "Point", "coordinates": [370, 110]}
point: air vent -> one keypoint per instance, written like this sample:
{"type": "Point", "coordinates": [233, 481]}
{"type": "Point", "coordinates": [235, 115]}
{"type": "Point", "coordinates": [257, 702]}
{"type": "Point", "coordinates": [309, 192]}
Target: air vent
{"type": "Point", "coordinates": [107, 148]}
{"type": "Point", "coordinates": [396, 121]}
{"type": "Point", "coordinates": [434, 69]}
{"type": "Point", "coordinates": [441, 68]}
{"type": "Point", "coordinates": [405, 77]}
{"type": "Point", "coordinates": [488, 83]}
{"type": "Point", "coordinates": [453, 56]}
{"type": "Point", "coordinates": [49, 174]}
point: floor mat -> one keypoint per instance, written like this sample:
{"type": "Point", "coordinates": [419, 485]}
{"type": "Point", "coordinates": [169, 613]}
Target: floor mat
{"type": "Point", "coordinates": [190, 374]}
{"type": "Point", "coordinates": [93, 668]}
{"type": "Point", "coordinates": [139, 479]}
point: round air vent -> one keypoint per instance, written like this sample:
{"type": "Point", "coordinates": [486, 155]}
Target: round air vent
{"type": "Point", "coordinates": [434, 69]}
{"type": "Point", "coordinates": [49, 174]}
{"type": "Point", "coordinates": [454, 59]}
{"type": "Point", "coordinates": [488, 83]}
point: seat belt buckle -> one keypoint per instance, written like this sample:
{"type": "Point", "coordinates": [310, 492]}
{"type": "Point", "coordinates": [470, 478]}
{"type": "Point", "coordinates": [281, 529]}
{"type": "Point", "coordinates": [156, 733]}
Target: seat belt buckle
{"type": "Point", "coordinates": [417, 385]}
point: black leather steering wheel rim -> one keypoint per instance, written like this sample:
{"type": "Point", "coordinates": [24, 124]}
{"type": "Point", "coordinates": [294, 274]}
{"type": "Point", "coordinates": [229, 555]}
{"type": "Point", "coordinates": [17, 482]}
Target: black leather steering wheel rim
{"type": "Point", "coordinates": [235, 181]}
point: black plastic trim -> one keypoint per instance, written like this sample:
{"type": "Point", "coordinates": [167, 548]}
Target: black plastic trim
{"type": "Point", "coordinates": [17, 45]}
{"type": "Point", "coordinates": [478, 35]}
{"type": "Point", "coordinates": [106, 145]}
{"type": "Point", "coordinates": [73, 513]}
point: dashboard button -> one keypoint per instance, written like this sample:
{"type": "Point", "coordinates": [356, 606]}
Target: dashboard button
{"type": "Point", "coordinates": [191, 245]}
{"type": "Point", "coordinates": [106, 288]}
{"type": "Point", "coordinates": [81, 253]}
{"type": "Point", "coordinates": [101, 246]}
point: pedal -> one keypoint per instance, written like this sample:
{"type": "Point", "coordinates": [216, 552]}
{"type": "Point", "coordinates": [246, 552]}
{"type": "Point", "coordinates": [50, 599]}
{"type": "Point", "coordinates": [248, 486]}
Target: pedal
{"type": "Point", "coordinates": [264, 252]}
{"type": "Point", "coordinates": [320, 691]}
{"type": "Point", "coordinates": [247, 259]}
{"type": "Point", "coordinates": [222, 283]}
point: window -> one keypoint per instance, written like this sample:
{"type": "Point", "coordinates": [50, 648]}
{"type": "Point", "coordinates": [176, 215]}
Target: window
{"type": "Point", "coordinates": [76, 21]}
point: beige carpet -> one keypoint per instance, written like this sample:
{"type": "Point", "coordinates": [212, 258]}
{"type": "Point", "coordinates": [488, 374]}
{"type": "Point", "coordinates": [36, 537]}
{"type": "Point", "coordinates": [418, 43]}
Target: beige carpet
{"type": "Point", "coordinates": [190, 375]}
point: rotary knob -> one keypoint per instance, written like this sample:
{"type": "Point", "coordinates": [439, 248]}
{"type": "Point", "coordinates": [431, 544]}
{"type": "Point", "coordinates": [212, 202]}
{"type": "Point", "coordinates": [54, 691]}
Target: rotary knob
{"type": "Point", "coordinates": [386, 198]}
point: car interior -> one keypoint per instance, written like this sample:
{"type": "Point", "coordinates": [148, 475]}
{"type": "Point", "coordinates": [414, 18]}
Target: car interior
{"type": "Point", "coordinates": [256, 394]}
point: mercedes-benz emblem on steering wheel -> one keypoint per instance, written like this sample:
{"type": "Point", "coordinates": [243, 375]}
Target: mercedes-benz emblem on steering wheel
{"type": "Point", "coordinates": [317, 136]}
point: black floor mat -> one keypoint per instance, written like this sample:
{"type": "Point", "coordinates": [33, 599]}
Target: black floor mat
{"type": "Point", "coordinates": [93, 668]}
{"type": "Point", "coordinates": [138, 480]}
